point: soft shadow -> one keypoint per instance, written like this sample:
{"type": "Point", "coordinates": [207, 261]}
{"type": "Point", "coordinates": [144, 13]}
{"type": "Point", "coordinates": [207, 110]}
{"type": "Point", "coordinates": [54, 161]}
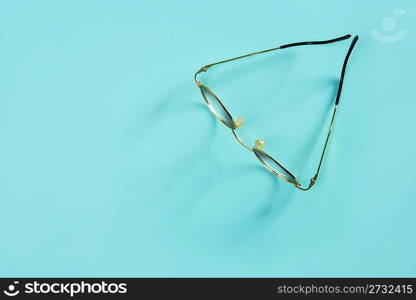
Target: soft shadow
{"type": "Point", "coordinates": [322, 125]}
{"type": "Point", "coordinates": [176, 101]}
{"type": "Point", "coordinates": [272, 202]}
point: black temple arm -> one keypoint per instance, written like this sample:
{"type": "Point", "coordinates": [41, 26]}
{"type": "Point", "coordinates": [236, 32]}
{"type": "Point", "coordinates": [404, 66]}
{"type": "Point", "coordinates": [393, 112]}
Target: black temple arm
{"type": "Point", "coordinates": [341, 79]}
{"type": "Point", "coordinates": [344, 37]}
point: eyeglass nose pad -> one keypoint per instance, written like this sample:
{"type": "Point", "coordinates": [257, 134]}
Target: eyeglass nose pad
{"type": "Point", "coordinates": [240, 121]}
{"type": "Point", "coordinates": [259, 144]}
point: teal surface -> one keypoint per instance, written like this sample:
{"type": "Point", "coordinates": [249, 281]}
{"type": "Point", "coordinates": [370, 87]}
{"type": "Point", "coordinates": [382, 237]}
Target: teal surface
{"type": "Point", "coordinates": [111, 165]}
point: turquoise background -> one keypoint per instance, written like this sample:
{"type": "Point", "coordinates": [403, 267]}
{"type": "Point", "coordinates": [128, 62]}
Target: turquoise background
{"type": "Point", "coordinates": [111, 165]}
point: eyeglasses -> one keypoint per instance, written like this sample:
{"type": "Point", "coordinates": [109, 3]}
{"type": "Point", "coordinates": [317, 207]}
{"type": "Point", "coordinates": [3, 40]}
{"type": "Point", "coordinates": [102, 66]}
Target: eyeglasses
{"type": "Point", "coordinates": [222, 114]}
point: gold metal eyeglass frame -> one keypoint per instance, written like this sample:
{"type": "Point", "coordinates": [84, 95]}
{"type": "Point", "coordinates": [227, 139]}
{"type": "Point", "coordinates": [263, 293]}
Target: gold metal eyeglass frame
{"type": "Point", "coordinates": [259, 143]}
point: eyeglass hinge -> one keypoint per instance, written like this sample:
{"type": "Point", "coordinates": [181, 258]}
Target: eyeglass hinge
{"type": "Point", "coordinates": [203, 69]}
